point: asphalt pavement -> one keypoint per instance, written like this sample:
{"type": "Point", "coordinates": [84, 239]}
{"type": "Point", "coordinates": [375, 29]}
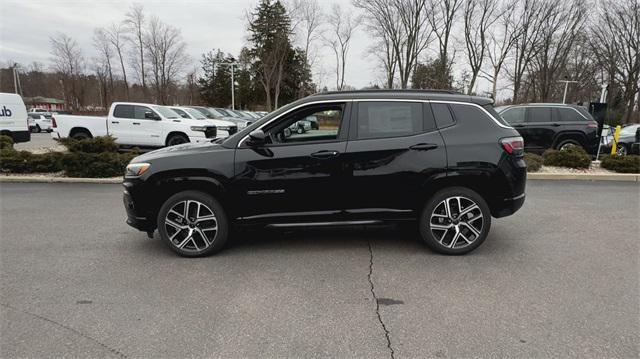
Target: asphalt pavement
{"type": "Point", "coordinates": [558, 279]}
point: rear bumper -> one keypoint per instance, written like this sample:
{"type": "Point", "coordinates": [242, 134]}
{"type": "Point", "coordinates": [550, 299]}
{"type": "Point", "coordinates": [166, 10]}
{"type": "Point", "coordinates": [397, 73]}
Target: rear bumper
{"type": "Point", "coordinates": [508, 206]}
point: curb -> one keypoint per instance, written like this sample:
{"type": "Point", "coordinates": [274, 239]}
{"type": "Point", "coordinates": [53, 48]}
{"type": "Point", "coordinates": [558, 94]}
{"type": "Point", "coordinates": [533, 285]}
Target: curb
{"type": "Point", "coordinates": [45, 179]}
{"type": "Point", "coordinates": [622, 177]}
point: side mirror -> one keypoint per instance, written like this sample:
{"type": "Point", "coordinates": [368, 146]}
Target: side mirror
{"type": "Point", "coordinates": [151, 115]}
{"type": "Point", "coordinates": [256, 138]}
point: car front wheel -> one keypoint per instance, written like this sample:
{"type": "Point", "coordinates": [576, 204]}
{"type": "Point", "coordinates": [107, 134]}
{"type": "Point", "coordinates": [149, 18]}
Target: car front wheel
{"type": "Point", "coordinates": [193, 224]}
{"type": "Point", "coordinates": [455, 221]}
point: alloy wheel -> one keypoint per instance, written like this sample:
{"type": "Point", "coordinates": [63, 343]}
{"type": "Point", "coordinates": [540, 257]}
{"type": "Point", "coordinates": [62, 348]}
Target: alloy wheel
{"type": "Point", "coordinates": [621, 150]}
{"type": "Point", "coordinates": [191, 226]}
{"type": "Point", "coordinates": [456, 222]}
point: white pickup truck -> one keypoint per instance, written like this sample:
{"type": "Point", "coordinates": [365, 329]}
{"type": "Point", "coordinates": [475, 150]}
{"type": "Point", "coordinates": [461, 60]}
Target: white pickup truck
{"type": "Point", "coordinates": [136, 124]}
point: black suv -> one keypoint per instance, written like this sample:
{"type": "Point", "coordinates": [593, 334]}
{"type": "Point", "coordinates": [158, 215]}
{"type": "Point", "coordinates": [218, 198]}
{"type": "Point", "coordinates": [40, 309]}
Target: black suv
{"type": "Point", "coordinates": [552, 125]}
{"type": "Point", "coordinates": [446, 160]}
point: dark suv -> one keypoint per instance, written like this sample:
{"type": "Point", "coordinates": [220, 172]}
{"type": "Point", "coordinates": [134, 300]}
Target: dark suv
{"type": "Point", "coordinates": [557, 126]}
{"type": "Point", "coordinates": [446, 160]}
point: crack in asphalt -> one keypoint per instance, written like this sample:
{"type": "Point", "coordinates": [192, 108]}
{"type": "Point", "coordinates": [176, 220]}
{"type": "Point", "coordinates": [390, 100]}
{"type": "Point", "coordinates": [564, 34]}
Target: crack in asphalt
{"type": "Point", "coordinates": [75, 331]}
{"type": "Point", "coordinates": [375, 300]}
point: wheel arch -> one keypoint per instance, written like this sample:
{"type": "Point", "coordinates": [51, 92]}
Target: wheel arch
{"type": "Point", "coordinates": [569, 135]}
{"type": "Point", "coordinates": [174, 133]}
{"type": "Point", "coordinates": [76, 130]}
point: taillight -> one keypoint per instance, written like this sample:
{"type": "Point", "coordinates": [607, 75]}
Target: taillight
{"type": "Point", "coordinates": [53, 122]}
{"type": "Point", "coordinates": [513, 145]}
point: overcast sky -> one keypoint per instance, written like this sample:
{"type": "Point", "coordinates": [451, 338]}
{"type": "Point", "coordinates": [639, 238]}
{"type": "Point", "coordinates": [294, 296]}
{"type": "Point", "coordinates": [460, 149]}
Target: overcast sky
{"type": "Point", "coordinates": [26, 26]}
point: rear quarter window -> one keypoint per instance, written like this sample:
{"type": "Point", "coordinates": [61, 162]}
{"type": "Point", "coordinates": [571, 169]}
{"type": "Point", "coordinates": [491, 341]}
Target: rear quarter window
{"type": "Point", "coordinates": [469, 112]}
{"type": "Point", "coordinates": [442, 114]}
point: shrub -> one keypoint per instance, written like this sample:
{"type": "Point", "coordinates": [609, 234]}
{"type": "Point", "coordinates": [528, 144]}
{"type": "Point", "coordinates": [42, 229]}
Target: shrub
{"type": "Point", "coordinates": [91, 145]}
{"type": "Point", "coordinates": [27, 162]}
{"type": "Point", "coordinates": [573, 157]}
{"type": "Point", "coordinates": [622, 164]}
{"type": "Point", "coordinates": [6, 142]}
{"type": "Point", "coordinates": [533, 161]}
{"type": "Point", "coordinates": [95, 165]}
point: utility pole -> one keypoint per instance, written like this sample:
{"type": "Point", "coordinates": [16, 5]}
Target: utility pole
{"type": "Point", "coordinates": [566, 87]}
{"type": "Point", "coordinates": [15, 79]}
{"type": "Point", "coordinates": [233, 83]}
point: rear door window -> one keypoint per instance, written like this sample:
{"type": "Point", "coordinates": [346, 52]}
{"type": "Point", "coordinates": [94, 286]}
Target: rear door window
{"type": "Point", "coordinates": [123, 111]}
{"type": "Point", "coordinates": [389, 119]}
{"type": "Point", "coordinates": [442, 114]}
{"type": "Point", "coordinates": [538, 114]}
{"type": "Point", "coordinates": [514, 115]}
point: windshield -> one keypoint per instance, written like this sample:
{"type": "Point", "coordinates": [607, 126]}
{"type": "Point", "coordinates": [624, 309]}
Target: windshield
{"type": "Point", "coordinates": [205, 112]}
{"type": "Point", "coordinates": [629, 130]}
{"type": "Point", "coordinates": [165, 112]}
{"type": "Point", "coordinates": [215, 112]}
{"type": "Point", "coordinates": [195, 114]}
{"type": "Point", "coordinates": [225, 112]}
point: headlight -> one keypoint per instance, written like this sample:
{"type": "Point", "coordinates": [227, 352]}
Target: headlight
{"type": "Point", "coordinates": [136, 169]}
{"type": "Point", "coordinates": [199, 128]}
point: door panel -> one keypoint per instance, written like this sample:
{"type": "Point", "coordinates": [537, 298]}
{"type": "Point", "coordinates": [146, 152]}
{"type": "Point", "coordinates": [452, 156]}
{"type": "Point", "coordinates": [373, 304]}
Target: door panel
{"type": "Point", "coordinates": [291, 178]}
{"type": "Point", "coordinates": [540, 127]}
{"type": "Point", "coordinates": [393, 150]}
{"type": "Point", "coordinates": [145, 131]}
{"type": "Point", "coordinates": [120, 123]}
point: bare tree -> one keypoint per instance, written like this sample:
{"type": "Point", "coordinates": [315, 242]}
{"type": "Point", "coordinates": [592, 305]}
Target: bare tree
{"type": "Point", "coordinates": [306, 21]}
{"type": "Point", "coordinates": [104, 70]}
{"type": "Point", "coordinates": [403, 30]}
{"type": "Point", "coordinates": [442, 18]}
{"type": "Point", "coordinates": [135, 21]}
{"type": "Point", "coordinates": [478, 19]}
{"type": "Point", "coordinates": [165, 52]}
{"type": "Point", "coordinates": [117, 37]}
{"type": "Point", "coordinates": [617, 43]}
{"type": "Point", "coordinates": [342, 25]}
{"type": "Point", "coordinates": [67, 60]}
{"type": "Point", "coordinates": [562, 23]}
{"type": "Point", "coordinates": [502, 37]}
{"type": "Point", "coordinates": [530, 14]}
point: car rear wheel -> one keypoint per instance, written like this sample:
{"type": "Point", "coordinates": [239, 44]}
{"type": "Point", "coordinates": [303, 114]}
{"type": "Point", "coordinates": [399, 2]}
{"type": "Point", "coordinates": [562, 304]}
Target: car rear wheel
{"type": "Point", "coordinates": [193, 224]}
{"type": "Point", "coordinates": [455, 221]}
{"type": "Point", "coordinates": [81, 135]}
{"type": "Point", "coordinates": [566, 144]}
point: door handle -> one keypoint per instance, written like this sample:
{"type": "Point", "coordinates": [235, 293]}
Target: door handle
{"type": "Point", "coordinates": [115, 121]}
{"type": "Point", "coordinates": [555, 124]}
{"type": "Point", "coordinates": [324, 154]}
{"type": "Point", "coordinates": [424, 146]}
{"type": "Point", "coordinates": [136, 123]}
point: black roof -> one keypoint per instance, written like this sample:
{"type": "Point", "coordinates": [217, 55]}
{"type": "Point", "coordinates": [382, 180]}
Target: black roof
{"type": "Point", "coordinates": [442, 95]}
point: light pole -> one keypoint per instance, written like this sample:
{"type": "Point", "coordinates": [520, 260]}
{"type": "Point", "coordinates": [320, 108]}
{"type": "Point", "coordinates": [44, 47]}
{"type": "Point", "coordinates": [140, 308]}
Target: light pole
{"type": "Point", "coordinates": [566, 87]}
{"type": "Point", "coordinates": [233, 83]}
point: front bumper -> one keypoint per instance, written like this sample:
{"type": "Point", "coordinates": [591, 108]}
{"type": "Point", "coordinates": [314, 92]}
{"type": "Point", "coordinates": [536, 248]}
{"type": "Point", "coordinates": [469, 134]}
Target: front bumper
{"type": "Point", "coordinates": [135, 218]}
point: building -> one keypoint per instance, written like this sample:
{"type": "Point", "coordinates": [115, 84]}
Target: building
{"type": "Point", "coordinates": [49, 104]}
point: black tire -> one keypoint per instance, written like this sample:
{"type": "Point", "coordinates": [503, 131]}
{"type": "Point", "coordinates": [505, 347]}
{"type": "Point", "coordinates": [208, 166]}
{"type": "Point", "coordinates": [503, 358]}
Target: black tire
{"type": "Point", "coordinates": [191, 249]}
{"type": "Point", "coordinates": [561, 145]}
{"type": "Point", "coordinates": [300, 130]}
{"type": "Point", "coordinates": [38, 129]}
{"type": "Point", "coordinates": [81, 135]}
{"type": "Point", "coordinates": [622, 149]}
{"type": "Point", "coordinates": [177, 139]}
{"type": "Point", "coordinates": [464, 243]}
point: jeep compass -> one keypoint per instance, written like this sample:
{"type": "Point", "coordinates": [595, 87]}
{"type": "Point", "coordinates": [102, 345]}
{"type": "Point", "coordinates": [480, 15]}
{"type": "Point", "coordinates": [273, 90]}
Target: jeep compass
{"type": "Point", "coordinates": [446, 161]}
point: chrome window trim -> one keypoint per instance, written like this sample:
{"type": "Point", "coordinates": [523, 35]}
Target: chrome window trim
{"type": "Point", "coordinates": [241, 142]}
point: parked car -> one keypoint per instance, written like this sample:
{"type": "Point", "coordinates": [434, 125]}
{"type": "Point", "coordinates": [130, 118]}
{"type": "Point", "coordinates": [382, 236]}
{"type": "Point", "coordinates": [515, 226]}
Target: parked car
{"type": "Point", "coordinates": [557, 126]}
{"type": "Point", "coordinates": [230, 115]}
{"type": "Point", "coordinates": [136, 124]}
{"type": "Point", "coordinates": [225, 128]}
{"type": "Point", "coordinates": [14, 121]}
{"type": "Point", "coordinates": [627, 142]}
{"type": "Point", "coordinates": [301, 126]}
{"type": "Point", "coordinates": [446, 161]}
{"type": "Point", "coordinates": [40, 122]}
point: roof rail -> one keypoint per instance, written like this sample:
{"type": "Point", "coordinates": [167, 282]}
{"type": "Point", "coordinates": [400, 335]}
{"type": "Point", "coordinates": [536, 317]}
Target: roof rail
{"type": "Point", "coordinates": [451, 92]}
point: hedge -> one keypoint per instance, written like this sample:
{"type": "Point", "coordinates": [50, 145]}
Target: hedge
{"type": "Point", "coordinates": [6, 142]}
{"type": "Point", "coordinates": [573, 157]}
{"type": "Point", "coordinates": [622, 164]}
{"type": "Point", "coordinates": [96, 157]}
{"type": "Point", "coordinates": [533, 161]}
{"type": "Point", "coordinates": [91, 145]}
